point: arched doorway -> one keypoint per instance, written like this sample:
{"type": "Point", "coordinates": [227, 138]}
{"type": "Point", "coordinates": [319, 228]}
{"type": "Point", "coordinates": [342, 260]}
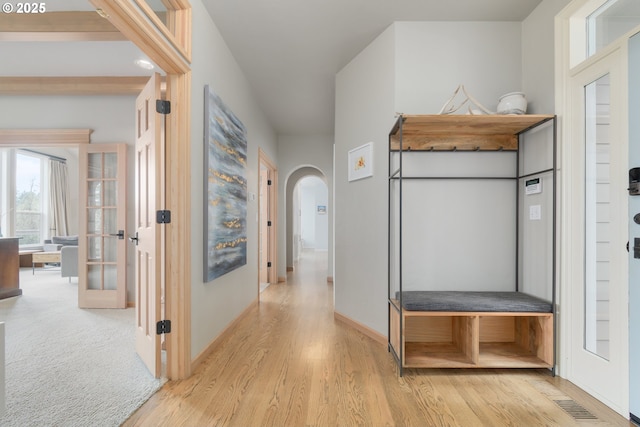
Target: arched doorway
{"type": "Point", "coordinates": [312, 200]}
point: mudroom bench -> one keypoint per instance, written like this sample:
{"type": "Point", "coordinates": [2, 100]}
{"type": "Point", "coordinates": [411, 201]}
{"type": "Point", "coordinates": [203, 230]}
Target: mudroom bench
{"type": "Point", "coordinates": [472, 241]}
{"type": "Point", "coordinates": [459, 329]}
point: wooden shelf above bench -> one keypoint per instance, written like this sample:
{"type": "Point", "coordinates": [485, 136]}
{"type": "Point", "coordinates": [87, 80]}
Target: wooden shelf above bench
{"type": "Point", "coordinates": [463, 132]}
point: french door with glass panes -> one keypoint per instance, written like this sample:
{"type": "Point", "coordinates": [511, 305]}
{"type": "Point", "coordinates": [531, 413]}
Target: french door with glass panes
{"type": "Point", "coordinates": [102, 250]}
{"type": "Point", "coordinates": [597, 208]}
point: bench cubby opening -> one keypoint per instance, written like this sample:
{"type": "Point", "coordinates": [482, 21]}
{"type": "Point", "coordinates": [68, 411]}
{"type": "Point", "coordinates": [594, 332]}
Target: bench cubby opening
{"type": "Point", "coordinates": [473, 340]}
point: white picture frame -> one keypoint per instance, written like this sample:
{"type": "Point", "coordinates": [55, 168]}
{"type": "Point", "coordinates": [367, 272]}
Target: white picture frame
{"type": "Point", "coordinates": [360, 161]}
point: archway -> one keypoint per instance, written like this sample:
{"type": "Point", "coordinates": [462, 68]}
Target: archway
{"type": "Point", "coordinates": [290, 235]}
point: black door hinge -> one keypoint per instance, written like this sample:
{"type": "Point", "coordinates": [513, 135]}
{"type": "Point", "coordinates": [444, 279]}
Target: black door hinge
{"type": "Point", "coordinates": [269, 264]}
{"type": "Point", "coordinates": [162, 106]}
{"type": "Point", "coordinates": [163, 327]}
{"type": "Point", "coordinates": [268, 182]}
{"type": "Point", "coordinates": [268, 223]}
{"type": "Point", "coordinates": [163, 217]}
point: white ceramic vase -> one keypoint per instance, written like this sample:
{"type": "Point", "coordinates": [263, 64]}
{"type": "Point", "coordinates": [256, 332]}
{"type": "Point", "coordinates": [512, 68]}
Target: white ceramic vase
{"type": "Point", "coordinates": [512, 103]}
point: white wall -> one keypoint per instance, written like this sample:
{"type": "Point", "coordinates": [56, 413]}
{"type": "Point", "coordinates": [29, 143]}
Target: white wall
{"type": "Point", "coordinates": [433, 58]}
{"type": "Point", "coordinates": [112, 119]}
{"type": "Point", "coordinates": [315, 225]}
{"type": "Point", "coordinates": [365, 111]}
{"type": "Point", "coordinates": [294, 216]}
{"type": "Point", "coordinates": [214, 305]}
{"type": "Point", "coordinates": [538, 56]}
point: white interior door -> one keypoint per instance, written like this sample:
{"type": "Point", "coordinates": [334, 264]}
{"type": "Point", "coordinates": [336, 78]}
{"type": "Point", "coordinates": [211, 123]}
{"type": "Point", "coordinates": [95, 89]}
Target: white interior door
{"type": "Point", "coordinates": [148, 175]}
{"type": "Point", "coordinates": [598, 360]}
{"type": "Point", "coordinates": [102, 250]}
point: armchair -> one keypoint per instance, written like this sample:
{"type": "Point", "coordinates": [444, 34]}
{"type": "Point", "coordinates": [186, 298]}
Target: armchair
{"type": "Point", "coordinates": [69, 261]}
{"type": "Point", "coordinates": [68, 247]}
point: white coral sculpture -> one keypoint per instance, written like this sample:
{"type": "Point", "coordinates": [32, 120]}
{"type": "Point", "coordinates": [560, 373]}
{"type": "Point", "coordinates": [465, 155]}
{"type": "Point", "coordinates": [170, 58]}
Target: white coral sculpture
{"type": "Point", "coordinates": [449, 107]}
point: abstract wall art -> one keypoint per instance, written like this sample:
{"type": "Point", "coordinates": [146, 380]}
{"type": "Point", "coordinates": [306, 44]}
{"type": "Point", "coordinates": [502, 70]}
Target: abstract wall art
{"type": "Point", "coordinates": [225, 210]}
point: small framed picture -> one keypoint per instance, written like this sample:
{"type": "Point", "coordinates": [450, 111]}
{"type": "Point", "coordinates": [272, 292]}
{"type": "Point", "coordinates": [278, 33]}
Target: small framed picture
{"type": "Point", "coordinates": [322, 209]}
{"type": "Point", "coordinates": [361, 162]}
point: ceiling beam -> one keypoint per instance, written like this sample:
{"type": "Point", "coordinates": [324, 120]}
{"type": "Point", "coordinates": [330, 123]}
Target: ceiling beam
{"type": "Point", "coordinates": [57, 26]}
{"type": "Point", "coordinates": [44, 137]}
{"type": "Point", "coordinates": [72, 85]}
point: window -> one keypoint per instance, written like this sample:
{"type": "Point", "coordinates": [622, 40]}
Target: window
{"type": "Point", "coordinates": [24, 196]}
{"type": "Point", "coordinates": [610, 21]}
{"type": "Point", "coordinates": [596, 24]}
{"type": "Point", "coordinates": [29, 206]}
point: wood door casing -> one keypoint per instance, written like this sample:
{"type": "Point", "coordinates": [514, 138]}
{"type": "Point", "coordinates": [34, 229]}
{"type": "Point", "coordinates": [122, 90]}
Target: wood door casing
{"type": "Point", "coordinates": [271, 208]}
{"type": "Point", "coordinates": [264, 230]}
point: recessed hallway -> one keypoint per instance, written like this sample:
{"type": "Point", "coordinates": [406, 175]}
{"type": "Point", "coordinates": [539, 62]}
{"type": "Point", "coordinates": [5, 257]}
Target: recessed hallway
{"type": "Point", "coordinates": [289, 363]}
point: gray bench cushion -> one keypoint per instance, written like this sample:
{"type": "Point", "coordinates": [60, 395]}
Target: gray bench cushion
{"type": "Point", "coordinates": [473, 301]}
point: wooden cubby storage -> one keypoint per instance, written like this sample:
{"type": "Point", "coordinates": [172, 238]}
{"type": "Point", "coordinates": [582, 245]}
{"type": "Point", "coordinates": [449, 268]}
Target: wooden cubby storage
{"type": "Point", "coordinates": [440, 339]}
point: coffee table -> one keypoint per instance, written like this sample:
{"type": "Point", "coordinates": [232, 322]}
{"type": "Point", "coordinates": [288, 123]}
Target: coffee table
{"type": "Point", "coordinates": [44, 257]}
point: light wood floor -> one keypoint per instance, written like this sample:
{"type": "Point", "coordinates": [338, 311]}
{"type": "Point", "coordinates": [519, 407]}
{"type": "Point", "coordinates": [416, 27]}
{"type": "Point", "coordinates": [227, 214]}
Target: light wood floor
{"type": "Point", "coordinates": [289, 363]}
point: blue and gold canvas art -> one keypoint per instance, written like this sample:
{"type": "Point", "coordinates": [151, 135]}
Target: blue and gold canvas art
{"type": "Point", "coordinates": [226, 189]}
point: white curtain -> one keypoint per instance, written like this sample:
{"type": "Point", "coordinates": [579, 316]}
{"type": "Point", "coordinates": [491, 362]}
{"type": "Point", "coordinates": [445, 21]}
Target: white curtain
{"type": "Point", "coordinates": [58, 198]}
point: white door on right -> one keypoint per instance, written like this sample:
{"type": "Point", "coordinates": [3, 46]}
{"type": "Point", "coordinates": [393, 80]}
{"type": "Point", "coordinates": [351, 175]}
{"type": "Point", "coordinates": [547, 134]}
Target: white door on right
{"type": "Point", "coordinates": [598, 357]}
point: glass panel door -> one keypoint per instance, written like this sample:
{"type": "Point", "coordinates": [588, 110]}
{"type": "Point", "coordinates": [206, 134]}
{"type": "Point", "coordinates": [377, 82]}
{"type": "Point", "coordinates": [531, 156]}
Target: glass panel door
{"type": "Point", "coordinates": [102, 253]}
{"type": "Point", "coordinates": [597, 217]}
{"type": "Point", "coordinates": [595, 223]}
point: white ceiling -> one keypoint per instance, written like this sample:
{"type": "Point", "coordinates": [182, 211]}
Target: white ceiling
{"type": "Point", "coordinates": [290, 50]}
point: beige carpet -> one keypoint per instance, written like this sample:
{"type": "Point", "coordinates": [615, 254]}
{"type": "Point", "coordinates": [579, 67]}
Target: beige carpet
{"type": "Point", "coordinates": [67, 366]}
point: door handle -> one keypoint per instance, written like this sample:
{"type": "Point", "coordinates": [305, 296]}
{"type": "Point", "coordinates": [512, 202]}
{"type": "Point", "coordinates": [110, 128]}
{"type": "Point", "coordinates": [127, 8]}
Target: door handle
{"type": "Point", "coordinates": [119, 234]}
{"type": "Point", "coordinates": [134, 239]}
{"type": "Point", "coordinates": [636, 247]}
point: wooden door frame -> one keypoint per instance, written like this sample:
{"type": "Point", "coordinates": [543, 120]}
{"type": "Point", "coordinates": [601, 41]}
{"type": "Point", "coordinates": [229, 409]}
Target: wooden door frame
{"type": "Point", "coordinates": [272, 197]}
{"type": "Point", "coordinates": [171, 51]}
{"type": "Point", "coordinates": [129, 19]}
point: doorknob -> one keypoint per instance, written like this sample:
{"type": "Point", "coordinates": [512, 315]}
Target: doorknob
{"type": "Point", "coordinates": [119, 234]}
{"type": "Point", "coordinates": [134, 239]}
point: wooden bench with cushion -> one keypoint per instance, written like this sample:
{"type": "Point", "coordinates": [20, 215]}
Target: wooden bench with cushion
{"type": "Point", "coordinates": [458, 329]}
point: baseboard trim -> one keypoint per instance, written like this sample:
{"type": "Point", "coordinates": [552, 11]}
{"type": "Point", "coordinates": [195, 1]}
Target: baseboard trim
{"type": "Point", "coordinates": [218, 340]}
{"type": "Point", "coordinates": [374, 335]}
{"type": "Point", "coordinates": [330, 279]}
{"type": "Point", "coordinates": [289, 269]}
{"type": "Point", "coordinates": [281, 279]}
{"type": "Point", "coordinates": [131, 304]}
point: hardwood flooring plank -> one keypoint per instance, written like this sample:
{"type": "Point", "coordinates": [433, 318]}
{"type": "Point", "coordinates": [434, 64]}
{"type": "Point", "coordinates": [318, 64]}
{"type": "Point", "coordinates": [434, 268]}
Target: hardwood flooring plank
{"type": "Point", "coordinates": [288, 362]}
